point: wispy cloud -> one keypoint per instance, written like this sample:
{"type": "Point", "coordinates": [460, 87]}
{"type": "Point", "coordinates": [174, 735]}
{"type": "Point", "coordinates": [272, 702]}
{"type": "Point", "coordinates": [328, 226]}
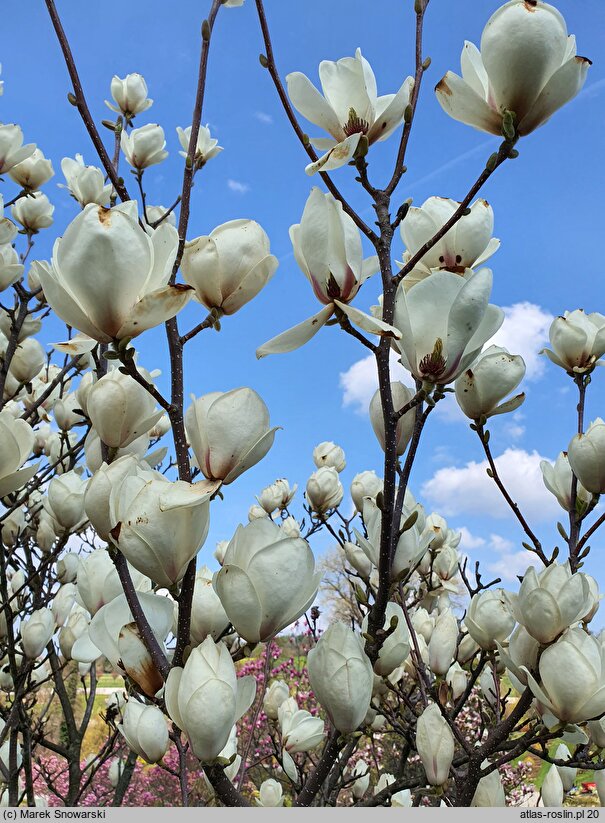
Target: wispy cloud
{"type": "Point", "coordinates": [237, 186]}
{"type": "Point", "coordinates": [263, 117]}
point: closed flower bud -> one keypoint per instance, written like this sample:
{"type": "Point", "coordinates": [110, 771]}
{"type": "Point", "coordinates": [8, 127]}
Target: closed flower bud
{"type": "Point", "coordinates": [558, 479]}
{"type": "Point", "coordinates": [28, 360]}
{"type": "Point", "coordinates": [208, 616]}
{"type": "Point", "coordinates": [552, 788]}
{"type": "Point", "coordinates": [205, 698]}
{"type": "Point", "coordinates": [270, 794]}
{"type": "Point", "coordinates": [65, 413]}
{"type": "Point", "coordinates": [267, 580]}
{"type": "Point", "coordinates": [489, 618]}
{"type": "Point", "coordinates": [11, 269]}
{"type": "Point", "coordinates": [8, 230]}
{"type": "Point", "coordinates": [66, 499]}
{"type": "Point", "coordinates": [275, 695]}
{"type": "Point", "coordinates": [86, 184]}
{"type": "Point", "coordinates": [482, 387]}
{"type": "Point", "coordinates": [129, 94]}
{"type": "Point", "coordinates": [120, 409]}
{"type": "Point", "coordinates": [442, 645]}
{"type": "Point", "coordinates": [324, 490]}
{"type": "Point", "coordinates": [12, 526]}
{"type": "Point", "coordinates": [396, 647]}
{"type": "Point", "coordinates": [76, 626]}
{"type": "Point", "coordinates": [34, 212]}
{"type": "Point", "coordinates": [144, 147]}
{"type": "Point", "coordinates": [435, 745]}
{"type": "Point", "coordinates": [341, 677]}
{"type": "Point", "coordinates": [329, 454]}
{"type": "Point", "coordinates": [357, 558]}
{"type": "Point", "coordinates": [33, 172]}
{"type": "Point", "coordinates": [489, 791]}
{"type": "Point", "coordinates": [144, 729]}
{"type": "Point", "coordinates": [566, 773]}
{"type": "Point", "coordinates": [36, 632]}
{"type": "Point", "coordinates": [63, 602]}
{"type": "Point", "coordinates": [405, 425]}
{"type": "Point", "coordinates": [228, 432]}
{"type": "Point", "coordinates": [457, 679]}
{"type": "Point", "coordinates": [115, 771]}
{"type": "Point", "coordinates": [365, 484]}
{"type": "Point", "coordinates": [586, 455]}
{"type": "Point", "coordinates": [276, 496]}
{"type": "Point", "coordinates": [361, 771]}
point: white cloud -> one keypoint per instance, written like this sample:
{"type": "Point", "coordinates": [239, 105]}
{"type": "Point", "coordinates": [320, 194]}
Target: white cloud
{"type": "Point", "coordinates": [263, 117]}
{"type": "Point", "coordinates": [455, 491]}
{"type": "Point", "coordinates": [469, 541]}
{"type": "Point", "coordinates": [525, 332]}
{"type": "Point", "coordinates": [361, 381]}
{"type": "Point", "coordinates": [237, 186]}
{"type": "Point", "coordinates": [496, 555]}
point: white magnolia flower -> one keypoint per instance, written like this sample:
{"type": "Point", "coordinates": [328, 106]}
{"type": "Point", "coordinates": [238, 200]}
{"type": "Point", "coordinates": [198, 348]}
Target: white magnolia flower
{"type": "Point", "coordinates": [396, 647]}
{"type": "Point", "coordinates": [489, 618]}
{"type": "Point", "coordinates": [85, 183]}
{"type": "Point", "coordinates": [349, 108]}
{"type": "Point", "coordinates": [468, 244]}
{"type": "Point", "coordinates": [327, 247]}
{"type": "Point", "coordinates": [109, 278]}
{"type": "Point", "coordinates": [11, 269]}
{"type": "Point", "coordinates": [443, 642]}
{"type": "Point", "coordinates": [527, 65]}
{"type": "Point", "coordinates": [33, 172]}
{"type": "Point", "coordinates": [12, 150]}
{"type": "Point", "coordinates": [66, 499]}
{"type": "Point", "coordinates": [129, 94]}
{"type": "Point", "coordinates": [275, 695]}
{"type": "Point", "coordinates": [206, 698]}
{"type": "Point", "coordinates": [8, 230]}
{"type": "Point", "coordinates": [329, 454]}
{"type": "Point", "coordinates": [444, 322]}
{"type": "Point", "coordinates": [482, 387]}
{"type": "Point", "coordinates": [266, 581]}
{"type": "Point", "coordinates": [207, 147]}
{"type": "Point", "coordinates": [16, 444]}
{"type": "Point", "coordinates": [208, 616]}
{"type": "Point", "coordinates": [28, 360]}
{"type": "Point", "coordinates": [405, 425]}
{"type": "Point", "coordinates": [34, 212]}
{"type": "Point", "coordinates": [434, 744]}
{"type": "Point", "coordinates": [230, 266]}
{"type": "Point", "coordinates": [324, 490]}
{"type": "Point", "coordinates": [586, 454]}
{"type": "Point", "coordinates": [270, 793]}
{"type": "Point", "coordinates": [558, 479]}
{"type": "Point", "coordinates": [278, 496]}
{"type": "Point", "coordinates": [365, 484]}
{"type": "Point", "coordinates": [37, 631]}
{"type": "Point", "coordinates": [577, 340]}
{"type": "Point", "coordinates": [144, 147]}
{"type": "Point", "coordinates": [98, 582]}
{"type": "Point", "coordinates": [300, 731]}
{"type": "Point", "coordinates": [144, 729]}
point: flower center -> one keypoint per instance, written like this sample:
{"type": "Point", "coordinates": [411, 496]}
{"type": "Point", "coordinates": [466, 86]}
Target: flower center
{"type": "Point", "coordinates": [355, 124]}
{"type": "Point", "coordinates": [432, 365]}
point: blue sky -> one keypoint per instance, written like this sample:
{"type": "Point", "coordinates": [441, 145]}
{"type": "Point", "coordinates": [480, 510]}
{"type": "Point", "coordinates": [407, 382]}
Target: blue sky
{"type": "Point", "coordinates": [547, 203]}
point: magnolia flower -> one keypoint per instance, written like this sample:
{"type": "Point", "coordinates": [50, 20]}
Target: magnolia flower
{"type": "Point", "coordinates": [206, 148]}
{"type": "Point", "coordinates": [549, 602]}
{"type": "Point", "coordinates": [130, 95]}
{"type": "Point", "coordinates": [85, 183]}
{"type": "Point", "coordinates": [489, 618]}
{"type": "Point", "coordinates": [270, 794]}
{"type": "Point", "coordinates": [120, 409]}
{"type": "Point", "coordinates": [527, 66]}
{"type": "Point", "coordinates": [341, 676]}
{"type": "Point", "coordinates": [66, 499]}
{"type": "Point", "coordinates": [349, 109]}
{"type": "Point", "coordinates": [67, 567]}
{"type": "Point", "coordinates": [456, 678]}
{"type": "Point", "coordinates": [12, 150]}
{"type": "Point", "coordinates": [11, 269]}
{"type": "Point", "coordinates": [356, 558]}
{"type": "Point", "coordinates": [109, 278]}
{"type": "Point", "coordinates": [206, 698]}
{"type": "Point", "coordinates": [28, 360]}
{"type": "Point", "coordinates": [278, 495]}
{"type": "Point", "coordinates": [230, 266]}
{"type": "Point", "coordinates": [327, 247]}
{"type": "Point", "coordinates": [266, 581]}
{"type": "Point", "coordinates": [208, 616]}
{"type": "Point", "coordinates": [572, 675]}
{"type": "Point", "coordinates": [558, 480]}
{"type": "Point", "coordinates": [159, 525]}
{"type": "Point", "coordinates": [552, 788]}
{"type": "Point", "coordinates": [411, 545]}
{"type": "Point", "coordinates": [566, 773]}
{"type": "Point", "coordinates": [65, 414]}
{"type": "Point", "coordinates": [482, 387]}
{"type": "Point", "coordinates": [16, 444]}
{"type": "Point", "coordinates": [98, 582]}
{"type": "Point", "coordinates": [405, 424]}
{"type": "Point", "coordinates": [8, 230]}
{"type": "Point", "coordinates": [144, 147]}
{"type": "Point", "coordinates": [94, 456]}
{"type": "Point", "coordinates": [329, 454]}
{"type": "Point", "coordinates": [489, 791]}
{"type": "Point", "coordinates": [36, 632]}
{"type": "Point", "coordinates": [442, 645]}
{"type": "Point", "coordinates": [468, 244]}
{"type": "Point", "coordinates": [160, 213]}
{"type": "Point", "coordinates": [275, 695]}
{"type": "Point", "coordinates": [434, 744]}
{"type": "Point", "coordinates": [300, 731]}
{"type": "Point", "coordinates": [33, 172]}
{"type": "Point", "coordinates": [586, 454]}
{"type": "Point", "coordinates": [34, 212]}
{"type": "Point", "coordinates": [228, 432]}
{"type": "Point", "coordinates": [324, 490]}
{"type": "Point", "coordinates": [444, 322]}
{"type": "Point", "coordinates": [76, 626]}
{"type": "Point", "coordinates": [578, 340]}
{"type": "Point", "coordinates": [145, 731]}
{"type": "Point", "coordinates": [365, 484]}
{"type": "Point", "coordinates": [361, 771]}
{"type": "Point", "coordinates": [396, 647]}
{"type": "Point", "coordinates": [12, 526]}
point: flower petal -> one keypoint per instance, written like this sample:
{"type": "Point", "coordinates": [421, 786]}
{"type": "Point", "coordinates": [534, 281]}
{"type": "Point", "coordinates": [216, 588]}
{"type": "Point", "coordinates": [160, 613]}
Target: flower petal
{"type": "Point", "coordinates": [155, 308]}
{"type": "Point", "coordinates": [312, 105]}
{"type": "Point", "coordinates": [368, 323]}
{"type": "Point", "coordinates": [462, 102]}
{"type": "Point", "coordinates": [563, 86]}
{"type": "Point", "coordinates": [339, 156]}
{"type": "Point", "coordinates": [298, 335]}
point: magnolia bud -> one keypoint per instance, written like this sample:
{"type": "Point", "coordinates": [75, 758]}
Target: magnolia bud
{"type": "Point", "coordinates": [396, 647]}
{"type": "Point", "coordinates": [144, 729]}
{"type": "Point", "coordinates": [300, 731]}
{"type": "Point", "coordinates": [144, 147]}
{"type": "Point", "coordinates": [362, 771]}
{"type": "Point", "coordinates": [434, 744]}
{"type": "Point", "coordinates": [442, 645]}
{"type": "Point", "coordinates": [270, 794]}
{"type": "Point", "coordinates": [365, 484]}
{"type": "Point", "coordinates": [275, 695]}
{"type": "Point", "coordinates": [120, 409]}
{"type": "Point", "coordinates": [489, 618]}
{"type": "Point", "coordinates": [37, 631]}
{"type": "Point", "coordinates": [586, 454]}
{"type": "Point", "coordinates": [276, 496]}
{"type": "Point", "coordinates": [552, 788]}
{"type": "Point", "coordinates": [324, 490]}
{"type": "Point", "coordinates": [329, 454]}
{"type": "Point", "coordinates": [456, 678]}
{"type": "Point", "coordinates": [405, 425]}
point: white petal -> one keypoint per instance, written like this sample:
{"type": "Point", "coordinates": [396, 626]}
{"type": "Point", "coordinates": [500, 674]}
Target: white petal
{"type": "Point", "coordinates": [296, 336]}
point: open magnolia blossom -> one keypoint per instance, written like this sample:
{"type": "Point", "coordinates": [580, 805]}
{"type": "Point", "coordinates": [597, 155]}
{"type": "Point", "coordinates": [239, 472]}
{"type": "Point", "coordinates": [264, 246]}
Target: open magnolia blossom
{"type": "Point", "coordinates": [16, 444]}
{"type": "Point", "coordinates": [129, 94]}
{"type": "Point", "coordinates": [558, 479]}
{"type": "Point", "coordinates": [527, 66]}
{"type": "Point", "coordinates": [228, 432]}
{"type": "Point", "coordinates": [577, 340]}
{"type": "Point", "coordinates": [468, 244]}
{"type": "Point", "coordinates": [109, 278]}
{"type": "Point", "coordinates": [444, 321]}
{"type": "Point", "coordinates": [207, 147]}
{"type": "Point", "coordinates": [230, 266]}
{"type": "Point", "coordinates": [86, 184]}
{"type": "Point", "coordinates": [300, 731]}
{"type": "Point", "coordinates": [205, 698]}
{"type": "Point", "coordinates": [327, 247]}
{"type": "Point", "coordinates": [34, 212]}
{"type": "Point", "coordinates": [267, 580]}
{"type": "Point", "coordinates": [144, 147]}
{"type": "Point", "coordinates": [349, 110]}
{"type": "Point", "coordinates": [33, 172]}
{"type": "Point", "coordinates": [482, 387]}
{"type": "Point", "coordinates": [489, 618]}
{"type": "Point", "coordinates": [12, 150]}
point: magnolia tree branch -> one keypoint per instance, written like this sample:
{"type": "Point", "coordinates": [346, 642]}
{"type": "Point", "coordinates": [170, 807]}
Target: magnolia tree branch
{"type": "Point", "coordinates": [79, 100]}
